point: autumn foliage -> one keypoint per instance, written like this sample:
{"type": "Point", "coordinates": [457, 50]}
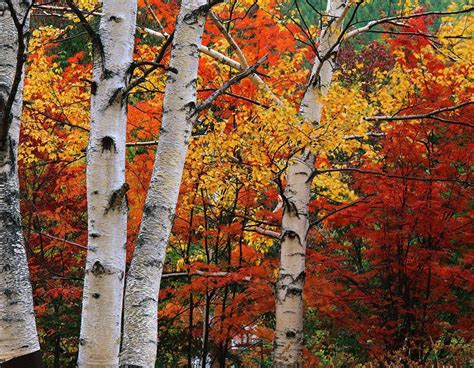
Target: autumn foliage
{"type": "Point", "coordinates": [389, 262]}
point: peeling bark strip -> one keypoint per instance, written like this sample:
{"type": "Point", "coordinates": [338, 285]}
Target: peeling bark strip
{"type": "Point", "coordinates": [18, 335]}
{"type": "Point", "coordinates": [99, 343]}
{"type": "Point", "coordinates": [143, 281]}
{"type": "Point", "coordinates": [288, 343]}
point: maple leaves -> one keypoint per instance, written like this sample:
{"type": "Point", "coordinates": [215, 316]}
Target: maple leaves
{"type": "Point", "coordinates": [390, 260]}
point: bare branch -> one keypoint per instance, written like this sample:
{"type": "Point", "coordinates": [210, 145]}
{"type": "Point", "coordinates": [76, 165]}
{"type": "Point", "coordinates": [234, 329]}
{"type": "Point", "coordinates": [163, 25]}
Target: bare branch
{"type": "Point", "coordinates": [62, 9]}
{"type": "Point", "coordinates": [269, 233]}
{"type": "Point", "coordinates": [142, 144]}
{"type": "Point", "coordinates": [237, 78]}
{"type": "Point", "coordinates": [204, 49]}
{"type": "Point", "coordinates": [257, 81]}
{"type": "Point", "coordinates": [62, 240]}
{"type": "Point", "coordinates": [429, 115]}
{"type": "Point", "coordinates": [387, 175]}
{"type": "Point", "coordinates": [154, 65]}
{"type": "Point", "coordinates": [153, 15]}
{"type": "Point", "coordinates": [352, 204]}
{"type": "Point", "coordinates": [363, 136]}
{"type": "Point", "coordinates": [374, 23]}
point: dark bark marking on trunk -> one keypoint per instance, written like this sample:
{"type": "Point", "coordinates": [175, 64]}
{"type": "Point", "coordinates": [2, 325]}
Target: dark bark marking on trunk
{"type": "Point", "coordinates": [98, 269]}
{"type": "Point", "coordinates": [32, 360]}
{"type": "Point", "coordinates": [108, 144]}
{"type": "Point", "coordinates": [115, 19]}
{"type": "Point", "coordinates": [93, 88]}
{"type": "Point", "coordinates": [118, 197]}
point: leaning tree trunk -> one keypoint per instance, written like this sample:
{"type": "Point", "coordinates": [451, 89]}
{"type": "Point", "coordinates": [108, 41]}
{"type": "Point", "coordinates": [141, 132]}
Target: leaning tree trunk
{"type": "Point", "coordinates": [143, 281]}
{"type": "Point", "coordinates": [99, 343]}
{"type": "Point", "coordinates": [288, 343]}
{"type": "Point", "coordinates": [18, 336]}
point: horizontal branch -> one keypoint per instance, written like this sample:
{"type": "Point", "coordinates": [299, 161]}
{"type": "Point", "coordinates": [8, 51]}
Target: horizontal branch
{"type": "Point", "coordinates": [57, 121]}
{"type": "Point", "coordinates": [63, 9]}
{"type": "Point", "coordinates": [395, 176]}
{"type": "Point", "coordinates": [204, 49]}
{"type": "Point", "coordinates": [270, 233]}
{"type": "Point", "coordinates": [340, 209]}
{"type": "Point", "coordinates": [142, 144]}
{"type": "Point", "coordinates": [363, 136]}
{"type": "Point", "coordinates": [429, 115]}
{"type": "Point", "coordinates": [62, 240]}
{"type": "Point", "coordinates": [376, 22]}
{"type": "Point", "coordinates": [201, 273]}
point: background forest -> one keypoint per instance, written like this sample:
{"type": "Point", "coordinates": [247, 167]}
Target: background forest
{"type": "Point", "coordinates": [388, 276]}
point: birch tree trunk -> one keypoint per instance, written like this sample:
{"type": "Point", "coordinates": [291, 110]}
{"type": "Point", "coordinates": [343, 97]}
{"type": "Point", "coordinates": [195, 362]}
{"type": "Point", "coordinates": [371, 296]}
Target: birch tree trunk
{"type": "Point", "coordinates": [18, 336]}
{"type": "Point", "coordinates": [288, 344]}
{"type": "Point", "coordinates": [143, 281]}
{"type": "Point", "coordinates": [99, 343]}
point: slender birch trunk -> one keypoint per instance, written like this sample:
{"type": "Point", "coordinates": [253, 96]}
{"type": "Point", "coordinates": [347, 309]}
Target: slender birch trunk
{"type": "Point", "coordinates": [288, 344]}
{"type": "Point", "coordinates": [99, 343]}
{"type": "Point", "coordinates": [143, 281]}
{"type": "Point", "coordinates": [18, 336]}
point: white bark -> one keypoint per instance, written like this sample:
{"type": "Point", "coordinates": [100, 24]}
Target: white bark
{"type": "Point", "coordinates": [143, 281]}
{"type": "Point", "coordinates": [288, 344]}
{"type": "Point", "coordinates": [18, 335]}
{"type": "Point", "coordinates": [99, 343]}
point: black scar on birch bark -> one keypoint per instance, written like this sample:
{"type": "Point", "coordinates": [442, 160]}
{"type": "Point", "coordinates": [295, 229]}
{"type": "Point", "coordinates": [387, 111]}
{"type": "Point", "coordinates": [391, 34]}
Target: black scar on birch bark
{"type": "Point", "coordinates": [117, 198]}
{"type": "Point", "coordinates": [98, 269]}
{"type": "Point", "coordinates": [108, 144]}
{"type": "Point", "coordinates": [2, 112]}
{"type": "Point", "coordinates": [93, 88]}
{"type": "Point", "coordinates": [32, 360]}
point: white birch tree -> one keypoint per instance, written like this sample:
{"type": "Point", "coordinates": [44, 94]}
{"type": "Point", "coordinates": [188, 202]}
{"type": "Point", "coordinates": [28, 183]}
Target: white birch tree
{"type": "Point", "coordinates": [143, 281]}
{"type": "Point", "coordinates": [100, 336]}
{"type": "Point", "coordinates": [288, 343]}
{"type": "Point", "coordinates": [18, 336]}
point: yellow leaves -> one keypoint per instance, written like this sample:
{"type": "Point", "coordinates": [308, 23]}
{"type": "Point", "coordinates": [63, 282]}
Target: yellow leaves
{"type": "Point", "coordinates": [343, 115]}
{"type": "Point", "coordinates": [408, 5]}
{"type": "Point", "coordinates": [332, 185]}
{"type": "Point", "coordinates": [87, 4]}
{"type": "Point", "coordinates": [259, 242]}
{"type": "Point", "coordinates": [53, 105]}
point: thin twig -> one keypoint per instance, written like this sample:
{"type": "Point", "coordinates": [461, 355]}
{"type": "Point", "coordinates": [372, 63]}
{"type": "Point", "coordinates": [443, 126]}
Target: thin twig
{"type": "Point", "coordinates": [237, 78]}
{"type": "Point", "coordinates": [318, 221]}
{"type": "Point", "coordinates": [395, 176]}
{"type": "Point", "coordinates": [204, 49]}
{"type": "Point", "coordinates": [85, 23]}
{"type": "Point", "coordinates": [429, 115]}
{"type": "Point", "coordinates": [154, 16]}
{"type": "Point", "coordinates": [154, 65]}
{"type": "Point", "coordinates": [257, 81]}
{"type": "Point", "coordinates": [62, 240]}
{"type": "Point", "coordinates": [374, 23]}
